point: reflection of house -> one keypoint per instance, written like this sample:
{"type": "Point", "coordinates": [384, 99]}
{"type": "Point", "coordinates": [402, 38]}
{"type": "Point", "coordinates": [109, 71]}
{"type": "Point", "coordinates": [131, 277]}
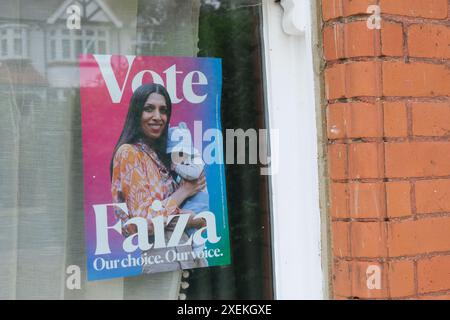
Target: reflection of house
{"type": "Point", "coordinates": [43, 50]}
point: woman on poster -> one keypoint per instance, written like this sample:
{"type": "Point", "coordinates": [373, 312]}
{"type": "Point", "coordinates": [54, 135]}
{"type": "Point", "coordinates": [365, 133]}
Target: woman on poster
{"type": "Point", "coordinates": [140, 173]}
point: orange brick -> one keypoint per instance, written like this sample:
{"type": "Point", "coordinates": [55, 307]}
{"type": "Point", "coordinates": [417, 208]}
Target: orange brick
{"type": "Point", "coordinates": [437, 9]}
{"type": "Point", "coordinates": [417, 159]}
{"type": "Point", "coordinates": [351, 7]}
{"type": "Point", "coordinates": [364, 272]}
{"type": "Point", "coordinates": [401, 279]}
{"type": "Point", "coordinates": [349, 40]}
{"type": "Point", "coordinates": [333, 40]}
{"type": "Point", "coordinates": [421, 236]}
{"type": "Point", "coordinates": [391, 39]}
{"type": "Point", "coordinates": [368, 239]}
{"type": "Point", "coordinates": [331, 9]}
{"type": "Point", "coordinates": [365, 160]}
{"type": "Point", "coordinates": [398, 196]}
{"type": "Point", "coordinates": [364, 120]}
{"type": "Point", "coordinates": [342, 282]}
{"type": "Point", "coordinates": [337, 159]}
{"type": "Point", "coordinates": [337, 114]}
{"type": "Point", "coordinates": [418, 79]}
{"type": "Point", "coordinates": [429, 41]}
{"type": "Point", "coordinates": [354, 120]}
{"type": "Point", "coordinates": [367, 200]}
{"type": "Point", "coordinates": [360, 41]}
{"type": "Point", "coordinates": [435, 297]}
{"type": "Point", "coordinates": [352, 80]}
{"type": "Point", "coordinates": [433, 196]}
{"type": "Point", "coordinates": [433, 274]}
{"type": "Point", "coordinates": [335, 81]}
{"type": "Point", "coordinates": [340, 236]}
{"type": "Point", "coordinates": [337, 297]}
{"type": "Point", "coordinates": [337, 8]}
{"type": "Point", "coordinates": [338, 203]}
{"type": "Point", "coordinates": [395, 119]}
{"type": "Point", "coordinates": [363, 79]}
{"type": "Point", "coordinates": [431, 119]}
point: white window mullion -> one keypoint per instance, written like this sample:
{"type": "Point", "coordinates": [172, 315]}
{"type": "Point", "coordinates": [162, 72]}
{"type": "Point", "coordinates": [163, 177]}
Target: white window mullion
{"type": "Point", "coordinates": [296, 217]}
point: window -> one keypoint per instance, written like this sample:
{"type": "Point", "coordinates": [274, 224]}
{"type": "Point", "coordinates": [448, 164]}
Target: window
{"type": "Point", "coordinates": [65, 45]}
{"type": "Point", "coordinates": [14, 41]}
{"type": "Point", "coordinates": [41, 162]}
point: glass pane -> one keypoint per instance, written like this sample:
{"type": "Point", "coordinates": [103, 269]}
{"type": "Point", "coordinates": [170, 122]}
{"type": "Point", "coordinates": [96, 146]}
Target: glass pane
{"type": "Point", "coordinates": [89, 45]}
{"type": "Point", "coordinates": [101, 46]}
{"type": "Point", "coordinates": [17, 47]}
{"type": "Point", "coordinates": [65, 49]}
{"type": "Point", "coordinates": [4, 47]}
{"type": "Point", "coordinates": [41, 194]}
{"type": "Point", "coordinates": [53, 49]}
{"type": "Point", "coordinates": [78, 47]}
{"type": "Point", "coordinates": [232, 30]}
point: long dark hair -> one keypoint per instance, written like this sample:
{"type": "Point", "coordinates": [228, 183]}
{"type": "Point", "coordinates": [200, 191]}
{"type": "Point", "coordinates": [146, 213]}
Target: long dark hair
{"type": "Point", "coordinates": [132, 131]}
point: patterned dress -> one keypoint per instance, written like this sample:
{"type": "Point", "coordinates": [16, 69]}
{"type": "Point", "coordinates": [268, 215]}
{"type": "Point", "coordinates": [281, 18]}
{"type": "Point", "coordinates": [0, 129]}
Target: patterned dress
{"type": "Point", "coordinates": [141, 180]}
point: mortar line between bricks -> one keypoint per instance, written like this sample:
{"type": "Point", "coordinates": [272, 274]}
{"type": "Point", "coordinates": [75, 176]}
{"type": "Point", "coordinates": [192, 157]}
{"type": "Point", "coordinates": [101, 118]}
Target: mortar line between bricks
{"type": "Point", "coordinates": [409, 59]}
{"type": "Point", "coordinates": [416, 276]}
{"type": "Point", "coordinates": [391, 179]}
{"type": "Point", "coordinates": [385, 226]}
{"type": "Point", "coordinates": [388, 18]}
{"type": "Point", "coordinates": [423, 295]}
{"type": "Point", "coordinates": [421, 256]}
{"type": "Point", "coordinates": [411, 217]}
{"type": "Point", "coordinates": [405, 28]}
{"type": "Point", "coordinates": [373, 99]}
{"type": "Point", "coordinates": [409, 120]}
{"type": "Point", "coordinates": [434, 293]}
{"type": "Point", "coordinates": [413, 201]}
{"type": "Point", "coordinates": [408, 139]}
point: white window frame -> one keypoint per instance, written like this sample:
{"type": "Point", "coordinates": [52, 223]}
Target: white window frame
{"type": "Point", "coordinates": [148, 37]}
{"type": "Point", "coordinates": [10, 38]}
{"type": "Point", "coordinates": [299, 261]}
{"type": "Point", "coordinates": [72, 37]}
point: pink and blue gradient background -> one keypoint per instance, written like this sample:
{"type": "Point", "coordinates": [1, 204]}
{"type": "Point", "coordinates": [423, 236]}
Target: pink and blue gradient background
{"type": "Point", "coordinates": [102, 123]}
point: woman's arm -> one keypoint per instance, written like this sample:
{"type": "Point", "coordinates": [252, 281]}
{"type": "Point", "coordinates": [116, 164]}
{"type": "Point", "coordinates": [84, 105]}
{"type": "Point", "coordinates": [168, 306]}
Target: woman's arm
{"type": "Point", "coordinates": [190, 171]}
{"type": "Point", "coordinates": [141, 186]}
{"type": "Point", "coordinates": [188, 188]}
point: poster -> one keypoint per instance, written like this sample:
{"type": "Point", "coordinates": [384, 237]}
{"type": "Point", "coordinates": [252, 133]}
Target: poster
{"type": "Point", "coordinates": [141, 233]}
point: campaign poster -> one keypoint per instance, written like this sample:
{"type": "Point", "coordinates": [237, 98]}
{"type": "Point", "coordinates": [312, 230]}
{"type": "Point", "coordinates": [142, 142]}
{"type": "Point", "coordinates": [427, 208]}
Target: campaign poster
{"type": "Point", "coordinates": [135, 221]}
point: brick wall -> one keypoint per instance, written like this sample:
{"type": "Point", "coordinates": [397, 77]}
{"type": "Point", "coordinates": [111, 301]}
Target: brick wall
{"type": "Point", "coordinates": [388, 124]}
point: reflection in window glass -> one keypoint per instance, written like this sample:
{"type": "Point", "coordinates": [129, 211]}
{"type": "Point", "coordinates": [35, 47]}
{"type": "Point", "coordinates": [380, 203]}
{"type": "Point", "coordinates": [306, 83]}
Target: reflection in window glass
{"type": "Point", "coordinates": [17, 47]}
{"type": "Point", "coordinates": [41, 193]}
{"type": "Point", "coordinates": [4, 47]}
{"type": "Point", "coordinates": [101, 46]}
{"type": "Point", "coordinates": [53, 49]}
{"type": "Point", "coordinates": [78, 47]}
{"type": "Point", "coordinates": [65, 49]}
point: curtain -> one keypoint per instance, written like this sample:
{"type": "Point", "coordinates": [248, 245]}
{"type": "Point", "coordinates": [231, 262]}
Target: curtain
{"type": "Point", "coordinates": [41, 174]}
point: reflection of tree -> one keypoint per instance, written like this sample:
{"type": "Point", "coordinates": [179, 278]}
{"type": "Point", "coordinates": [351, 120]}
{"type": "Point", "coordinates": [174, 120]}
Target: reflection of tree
{"type": "Point", "coordinates": [167, 26]}
{"type": "Point", "coordinates": [154, 13]}
{"type": "Point", "coordinates": [233, 35]}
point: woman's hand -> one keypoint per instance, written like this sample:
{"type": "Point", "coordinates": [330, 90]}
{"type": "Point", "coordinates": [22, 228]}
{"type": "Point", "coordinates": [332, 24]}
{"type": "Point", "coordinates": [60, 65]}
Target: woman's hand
{"type": "Point", "coordinates": [192, 223]}
{"type": "Point", "coordinates": [190, 188]}
{"type": "Point", "coordinates": [195, 223]}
